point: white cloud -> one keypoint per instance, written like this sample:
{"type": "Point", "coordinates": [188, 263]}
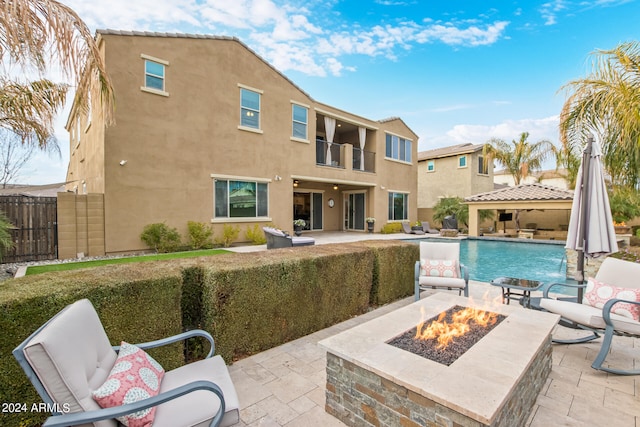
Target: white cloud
{"type": "Point", "coordinates": [545, 128]}
{"type": "Point", "coordinates": [550, 10]}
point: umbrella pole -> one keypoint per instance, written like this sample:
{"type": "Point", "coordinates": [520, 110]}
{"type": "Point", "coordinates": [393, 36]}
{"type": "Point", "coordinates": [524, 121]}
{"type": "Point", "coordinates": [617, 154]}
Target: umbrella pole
{"type": "Point", "coordinates": [584, 212]}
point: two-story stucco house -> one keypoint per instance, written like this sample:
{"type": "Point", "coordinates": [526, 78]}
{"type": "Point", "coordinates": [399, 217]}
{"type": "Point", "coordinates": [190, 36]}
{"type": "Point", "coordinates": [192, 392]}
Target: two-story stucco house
{"type": "Point", "coordinates": [454, 171]}
{"type": "Point", "coordinates": [206, 130]}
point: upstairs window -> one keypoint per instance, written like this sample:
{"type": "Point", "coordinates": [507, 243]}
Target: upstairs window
{"type": "Point", "coordinates": [431, 165]}
{"type": "Point", "coordinates": [300, 119]}
{"type": "Point", "coordinates": [249, 108]}
{"type": "Point", "coordinates": [154, 75]}
{"type": "Point", "coordinates": [462, 161]}
{"type": "Point", "coordinates": [398, 148]}
{"type": "Point", "coordinates": [483, 167]}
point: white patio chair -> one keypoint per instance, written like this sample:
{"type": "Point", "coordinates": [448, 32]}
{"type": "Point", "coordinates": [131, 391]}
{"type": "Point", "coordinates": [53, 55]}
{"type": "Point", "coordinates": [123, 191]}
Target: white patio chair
{"type": "Point", "coordinates": [439, 267]}
{"type": "Point", "coordinates": [596, 320]}
{"type": "Point", "coordinates": [70, 356]}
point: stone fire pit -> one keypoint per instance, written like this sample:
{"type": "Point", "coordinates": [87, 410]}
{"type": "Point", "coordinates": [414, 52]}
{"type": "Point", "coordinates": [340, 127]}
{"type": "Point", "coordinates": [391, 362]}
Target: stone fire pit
{"type": "Point", "coordinates": [495, 383]}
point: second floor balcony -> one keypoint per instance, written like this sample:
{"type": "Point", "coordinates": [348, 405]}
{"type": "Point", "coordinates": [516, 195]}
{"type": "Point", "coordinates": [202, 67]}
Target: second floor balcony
{"type": "Point", "coordinates": [334, 155]}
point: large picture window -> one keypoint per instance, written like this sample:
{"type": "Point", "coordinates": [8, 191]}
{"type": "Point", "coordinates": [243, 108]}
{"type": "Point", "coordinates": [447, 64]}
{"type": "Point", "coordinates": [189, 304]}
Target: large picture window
{"type": "Point", "coordinates": [398, 206]}
{"type": "Point", "coordinates": [241, 199]}
{"type": "Point", "coordinates": [398, 148]}
{"type": "Point", "coordinates": [249, 108]}
{"type": "Point", "coordinates": [300, 120]}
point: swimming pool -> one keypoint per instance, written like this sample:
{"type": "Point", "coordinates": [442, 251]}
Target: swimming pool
{"type": "Point", "coordinates": [488, 259]}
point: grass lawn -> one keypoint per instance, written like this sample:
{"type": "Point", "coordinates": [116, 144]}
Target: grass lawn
{"type": "Point", "coordinates": [37, 269]}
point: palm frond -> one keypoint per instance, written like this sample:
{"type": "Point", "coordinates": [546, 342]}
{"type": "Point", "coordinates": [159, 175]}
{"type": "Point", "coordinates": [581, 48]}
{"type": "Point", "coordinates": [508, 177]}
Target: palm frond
{"type": "Point", "coordinates": [32, 32]}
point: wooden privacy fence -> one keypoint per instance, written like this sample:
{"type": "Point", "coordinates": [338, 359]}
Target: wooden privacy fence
{"type": "Point", "coordinates": [35, 234]}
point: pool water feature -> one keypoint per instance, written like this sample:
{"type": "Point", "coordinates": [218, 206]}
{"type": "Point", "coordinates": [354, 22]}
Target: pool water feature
{"type": "Point", "coordinates": [488, 259]}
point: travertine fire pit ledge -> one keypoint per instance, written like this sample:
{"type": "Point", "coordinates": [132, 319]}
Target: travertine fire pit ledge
{"type": "Point", "coordinates": [476, 385]}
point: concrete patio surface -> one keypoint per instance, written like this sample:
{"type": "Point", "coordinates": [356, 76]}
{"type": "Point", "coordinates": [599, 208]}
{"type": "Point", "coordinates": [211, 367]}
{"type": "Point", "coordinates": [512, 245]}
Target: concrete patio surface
{"type": "Point", "coordinates": [285, 386]}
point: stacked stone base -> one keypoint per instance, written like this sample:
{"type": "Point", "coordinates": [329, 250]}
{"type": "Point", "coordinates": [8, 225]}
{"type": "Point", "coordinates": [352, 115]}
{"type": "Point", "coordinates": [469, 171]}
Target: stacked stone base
{"type": "Point", "coordinates": [361, 398]}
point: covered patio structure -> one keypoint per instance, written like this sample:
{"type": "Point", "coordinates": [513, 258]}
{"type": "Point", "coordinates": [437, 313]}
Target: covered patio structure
{"type": "Point", "coordinates": [524, 197]}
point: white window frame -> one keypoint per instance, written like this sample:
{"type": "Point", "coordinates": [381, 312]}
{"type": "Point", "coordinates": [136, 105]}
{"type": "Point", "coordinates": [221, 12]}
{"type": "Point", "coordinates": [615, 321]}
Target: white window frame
{"type": "Point", "coordinates": [165, 64]}
{"type": "Point", "coordinates": [462, 158]}
{"type": "Point", "coordinates": [431, 166]}
{"type": "Point", "coordinates": [396, 149]}
{"type": "Point", "coordinates": [230, 219]}
{"type": "Point", "coordinates": [391, 195]}
{"type": "Point", "coordinates": [294, 121]}
{"type": "Point", "coordinates": [259, 110]}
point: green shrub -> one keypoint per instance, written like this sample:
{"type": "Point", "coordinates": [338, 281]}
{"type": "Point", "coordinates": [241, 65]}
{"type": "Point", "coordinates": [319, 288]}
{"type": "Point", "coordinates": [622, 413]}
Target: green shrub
{"type": "Point", "coordinates": [391, 227]}
{"type": "Point", "coordinates": [161, 237]}
{"type": "Point", "coordinates": [229, 234]}
{"type": "Point", "coordinates": [255, 235]}
{"type": "Point", "coordinates": [136, 303]}
{"type": "Point", "coordinates": [248, 302]}
{"type": "Point", "coordinates": [273, 297]}
{"type": "Point", "coordinates": [200, 235]}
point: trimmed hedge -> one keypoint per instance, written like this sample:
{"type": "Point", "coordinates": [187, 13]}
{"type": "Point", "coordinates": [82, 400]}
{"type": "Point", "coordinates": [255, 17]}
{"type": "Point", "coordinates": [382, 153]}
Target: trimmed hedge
{"type": "Point", "coordinates": [261, 306]}
{"type": "Point", "coordinates": [135, 304]}
{"type": "Point", "coordinates": [249, 302]}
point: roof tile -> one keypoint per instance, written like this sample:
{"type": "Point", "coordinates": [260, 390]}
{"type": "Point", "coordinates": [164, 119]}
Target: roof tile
{"type": "Point", "coordinates": [523, 192]}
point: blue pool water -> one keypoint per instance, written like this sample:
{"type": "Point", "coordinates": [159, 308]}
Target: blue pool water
{"type": "Point", "coordinates": [488, 259]}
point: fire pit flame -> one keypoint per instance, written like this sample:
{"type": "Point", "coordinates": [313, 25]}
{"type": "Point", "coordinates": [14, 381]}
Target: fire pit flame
{"type": "Point", "coordinates": [445, 332]}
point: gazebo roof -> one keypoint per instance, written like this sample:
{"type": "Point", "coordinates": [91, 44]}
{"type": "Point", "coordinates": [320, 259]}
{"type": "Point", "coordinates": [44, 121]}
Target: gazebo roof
{"type": "Point", "coordinates": [522, 193]}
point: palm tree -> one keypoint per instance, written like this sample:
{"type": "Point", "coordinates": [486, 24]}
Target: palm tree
{"type": "Point", "coordinates": [520, 157]}
{"type": "Point", "coordinates": [607, 104]}
{"type": "Point", "coordinates": [34, 33]}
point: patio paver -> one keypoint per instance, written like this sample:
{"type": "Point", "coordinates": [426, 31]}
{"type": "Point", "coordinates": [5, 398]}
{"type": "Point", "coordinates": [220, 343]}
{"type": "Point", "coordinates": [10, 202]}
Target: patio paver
{"type": "Point", "coordinates": [284, 386]}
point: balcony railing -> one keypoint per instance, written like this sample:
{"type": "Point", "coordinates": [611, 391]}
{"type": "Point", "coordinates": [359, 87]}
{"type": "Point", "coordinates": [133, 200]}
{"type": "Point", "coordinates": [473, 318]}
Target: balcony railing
{"type": "Point", "coordinates": [364, 160]}
{"type": "Point", "coordinates": [329, 156]}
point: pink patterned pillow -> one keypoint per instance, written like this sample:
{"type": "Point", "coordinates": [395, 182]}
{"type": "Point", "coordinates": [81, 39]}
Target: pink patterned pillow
{"type": "Point", "coordinates": [598, 293]}
{"type": "Point", "coordinates": [135, 376]}
{"type": "Point", "coordinates": [439, 268]}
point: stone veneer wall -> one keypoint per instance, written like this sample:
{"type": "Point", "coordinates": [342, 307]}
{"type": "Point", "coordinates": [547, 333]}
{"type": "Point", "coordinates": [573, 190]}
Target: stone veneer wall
{"type": "Point", "coordinates": [591, 265]}
{"type": "Point", "coordinates": [361, 398]}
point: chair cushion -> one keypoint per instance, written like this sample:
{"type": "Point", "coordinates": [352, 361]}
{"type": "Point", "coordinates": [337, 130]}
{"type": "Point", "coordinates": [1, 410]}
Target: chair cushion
{"type": "Point", "coordinates": [135, 376]}
{"type": "Point", "coordinates": [598, 293]}
{"type": "Point", "coordinates": [439, 268]}
{"type": "Point", "coordinates": [303, 241]}
{"type": "Point", "coordinates": [71, 355]}
{"type": "Point", "coordinates": [441, 282]}
{"type": "Point", "coordinates": [588, 315]}
{"type": "Point", "coordinates": [274, 231]}
{"type": "Point", "coordinates": [199, 407]}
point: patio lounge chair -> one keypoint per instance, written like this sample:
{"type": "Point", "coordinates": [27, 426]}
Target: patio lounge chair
{"type": "Point", "coordinates": [427, 229]}
{"type": "Point", "coordinates": [69, 358]}
{"type": "Point", "coordinates": [407, 229]}
{"type": "Point", "coordinates": [439, 267]}
{"type": "Point", "coordinates": [279, 239]}
{"type": "Point", "coordinates": [612, 272]}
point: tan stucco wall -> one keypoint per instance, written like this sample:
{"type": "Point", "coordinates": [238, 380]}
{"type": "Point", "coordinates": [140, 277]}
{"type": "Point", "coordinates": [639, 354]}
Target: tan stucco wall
{"type": "Point", "coordinates": [80, 225]}
{"type": "Point", "coordinates": [449, 180]}
{"type": "Point", "coordinates": [174, 144]}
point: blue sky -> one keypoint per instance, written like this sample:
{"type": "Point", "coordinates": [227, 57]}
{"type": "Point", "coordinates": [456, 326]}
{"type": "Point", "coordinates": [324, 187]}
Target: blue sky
{"type": "Point", "coordinates": [454, 71]}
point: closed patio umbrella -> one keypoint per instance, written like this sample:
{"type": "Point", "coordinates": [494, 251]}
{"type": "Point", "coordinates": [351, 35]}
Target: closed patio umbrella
{"type": "Point", "coordinates": [591, 231]}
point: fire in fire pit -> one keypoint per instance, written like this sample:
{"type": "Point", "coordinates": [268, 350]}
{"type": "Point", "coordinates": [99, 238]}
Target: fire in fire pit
{"type": "Point", "coordinates": [449, 335]}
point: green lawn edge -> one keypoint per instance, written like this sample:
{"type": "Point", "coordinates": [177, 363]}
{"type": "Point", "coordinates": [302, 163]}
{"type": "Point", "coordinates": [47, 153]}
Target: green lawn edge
{"type": "Point", "coordinates": [38, 269]}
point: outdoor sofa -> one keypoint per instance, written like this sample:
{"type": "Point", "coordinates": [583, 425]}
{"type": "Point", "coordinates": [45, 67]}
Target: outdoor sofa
{"type": "Point", "coordinates": [280, 239]}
